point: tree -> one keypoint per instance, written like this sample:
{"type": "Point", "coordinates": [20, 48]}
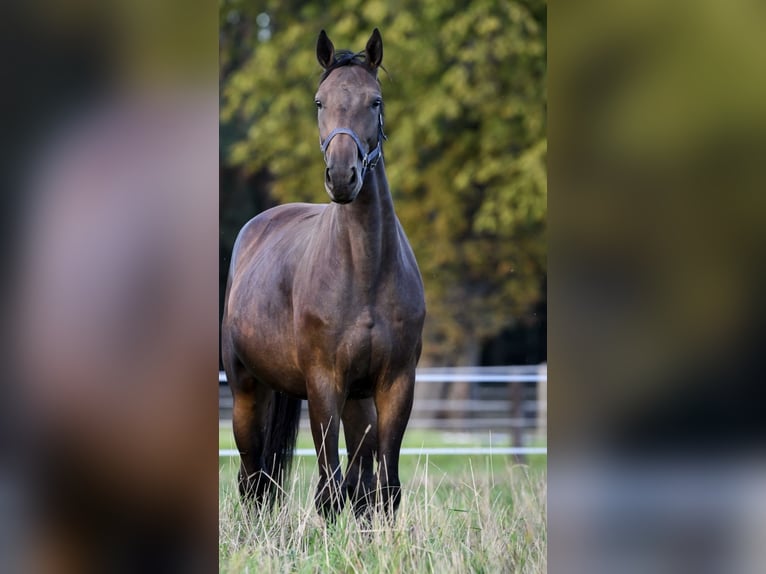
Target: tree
{"type": "Point", "coordinates": [466, 160]}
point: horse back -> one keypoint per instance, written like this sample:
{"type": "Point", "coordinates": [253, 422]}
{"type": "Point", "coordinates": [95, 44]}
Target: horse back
{"type": "Point", "coordinates": [276, 230]}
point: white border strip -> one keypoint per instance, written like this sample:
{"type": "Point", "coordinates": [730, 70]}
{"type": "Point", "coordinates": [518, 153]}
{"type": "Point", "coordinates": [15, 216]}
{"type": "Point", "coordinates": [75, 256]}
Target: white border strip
{"type": "Point", "coordinates": [458, 450]}
{"type": "Point", "coordinates": [477, 378]}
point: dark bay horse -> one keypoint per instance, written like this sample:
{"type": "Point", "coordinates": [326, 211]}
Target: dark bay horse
{"type": "Point", "coordinates": [325, 303]}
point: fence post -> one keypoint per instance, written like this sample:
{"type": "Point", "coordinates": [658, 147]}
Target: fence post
{"type": "Point", "coordinates": [542, 402]}
{"type": "Point", "coordinates": [516, 396]}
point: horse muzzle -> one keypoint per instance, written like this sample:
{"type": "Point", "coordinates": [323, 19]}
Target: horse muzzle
{"type": "Point", "coordinates": [342, 180]}
{"type": "Point", "coordinates": [342, 183]}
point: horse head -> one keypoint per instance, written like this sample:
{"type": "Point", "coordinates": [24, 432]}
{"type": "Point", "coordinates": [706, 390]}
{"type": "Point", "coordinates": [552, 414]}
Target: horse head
{"type": "Point", "coordinates": [350, 115]}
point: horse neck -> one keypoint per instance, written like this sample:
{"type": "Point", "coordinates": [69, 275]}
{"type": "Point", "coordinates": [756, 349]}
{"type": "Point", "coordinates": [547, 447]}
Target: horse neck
{"type": "Point", "coordinates": [367, 228]}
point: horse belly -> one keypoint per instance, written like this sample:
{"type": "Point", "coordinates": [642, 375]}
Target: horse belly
{"type": "Point", "coordinates": [270, 364]}
{"type": "Point", "coordinates": [263, 340]}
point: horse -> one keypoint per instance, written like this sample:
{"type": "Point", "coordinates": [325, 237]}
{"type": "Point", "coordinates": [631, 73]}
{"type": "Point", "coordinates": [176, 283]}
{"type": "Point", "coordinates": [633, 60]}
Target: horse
{"type": "Point", "coordinates": [325, 303]}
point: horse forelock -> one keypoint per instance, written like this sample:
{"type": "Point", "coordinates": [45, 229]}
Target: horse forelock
{"type": "Point", "coordinates": [348, 58]}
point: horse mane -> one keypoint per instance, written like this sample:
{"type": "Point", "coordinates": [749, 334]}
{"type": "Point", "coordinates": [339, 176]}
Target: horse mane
{"type": "Point", "coordinates": [348, 58]}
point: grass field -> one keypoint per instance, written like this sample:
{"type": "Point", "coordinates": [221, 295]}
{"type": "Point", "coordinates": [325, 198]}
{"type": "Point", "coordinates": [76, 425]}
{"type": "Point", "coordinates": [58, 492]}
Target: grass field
{"type": "Point", "coordinates": [458, 514]}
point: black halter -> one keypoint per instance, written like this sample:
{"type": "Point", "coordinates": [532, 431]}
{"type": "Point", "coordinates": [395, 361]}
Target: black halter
{"type": "Point", "coordinates": [369, 159]}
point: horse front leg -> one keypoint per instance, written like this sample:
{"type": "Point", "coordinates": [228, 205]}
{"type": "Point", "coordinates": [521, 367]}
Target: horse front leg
{"type": "Point", "coordinates": [394, 403]}
{"type": "Point", "coordinates": [325, 406]}
{"type": "Point", "coordinates": [360, 425]}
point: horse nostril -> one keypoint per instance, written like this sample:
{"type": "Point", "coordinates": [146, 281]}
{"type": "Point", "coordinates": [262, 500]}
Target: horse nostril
{"type": "Point", "coordinates": [352, 179]}
{"type": "Point", "coordinates": [327, 179]}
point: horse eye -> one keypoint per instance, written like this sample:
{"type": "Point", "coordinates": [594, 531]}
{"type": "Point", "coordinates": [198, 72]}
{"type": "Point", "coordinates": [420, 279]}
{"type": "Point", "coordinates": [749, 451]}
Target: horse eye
{"type": "Point", "coordinates": [376, 103]}
{"type": "Point", "coordinates": [319, 104]}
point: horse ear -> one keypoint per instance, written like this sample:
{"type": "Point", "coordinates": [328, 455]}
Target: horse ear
{"type": "Point", "coordinates": [325, 50]}
{"type": "Point", "coordinates": [374, 50]}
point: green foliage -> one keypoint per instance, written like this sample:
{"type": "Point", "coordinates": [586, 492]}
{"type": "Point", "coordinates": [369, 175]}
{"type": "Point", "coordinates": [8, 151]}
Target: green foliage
{"type": "Point", "coordinates": [466, 118]}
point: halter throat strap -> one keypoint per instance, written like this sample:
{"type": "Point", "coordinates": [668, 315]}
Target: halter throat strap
{"type": "Point", "coordinates": [369, 159]}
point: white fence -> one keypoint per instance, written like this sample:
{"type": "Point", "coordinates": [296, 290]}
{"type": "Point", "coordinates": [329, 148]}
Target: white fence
{"type": "Point", "coordinates": [515, 374]}
{"type": "Point", "coordinates": [508, 404]}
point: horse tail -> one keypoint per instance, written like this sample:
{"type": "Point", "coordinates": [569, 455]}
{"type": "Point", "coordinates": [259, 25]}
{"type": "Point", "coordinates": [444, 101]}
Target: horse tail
{"type": "Point", "coordinates": [281, 434]}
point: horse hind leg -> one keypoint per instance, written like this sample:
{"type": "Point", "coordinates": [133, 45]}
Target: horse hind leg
{"type": "Point", "coordinates": [360, 427]}
{"type": "Point", "coordinates": [249, 417]}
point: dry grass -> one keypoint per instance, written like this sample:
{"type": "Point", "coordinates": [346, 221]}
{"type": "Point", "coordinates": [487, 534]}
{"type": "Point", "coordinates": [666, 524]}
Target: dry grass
{"type": "Point", "coordinates": [477, 514]}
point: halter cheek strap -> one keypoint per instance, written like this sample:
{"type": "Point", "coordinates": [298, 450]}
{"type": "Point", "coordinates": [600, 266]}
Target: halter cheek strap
{"type": "Point", "coordinates": [369, 159]}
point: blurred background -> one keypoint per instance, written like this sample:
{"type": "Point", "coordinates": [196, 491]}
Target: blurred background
{"type": "Point", "coordinates": [109, 332]}
{"type": "Point", "coordinates": [657, 436]}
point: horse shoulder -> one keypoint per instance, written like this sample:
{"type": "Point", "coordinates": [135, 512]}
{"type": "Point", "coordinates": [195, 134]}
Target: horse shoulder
{"type": "Point", "coordinates": [264, 260]}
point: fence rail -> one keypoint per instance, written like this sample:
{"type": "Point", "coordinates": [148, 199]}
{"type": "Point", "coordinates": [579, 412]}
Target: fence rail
{"type": "Point", "coordinates": [525, 374]}
{"type": "Point", "coordinates": [503, 401]}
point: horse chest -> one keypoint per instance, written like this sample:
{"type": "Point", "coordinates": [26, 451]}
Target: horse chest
{"type": "Point", "coordinates": [357, 344]}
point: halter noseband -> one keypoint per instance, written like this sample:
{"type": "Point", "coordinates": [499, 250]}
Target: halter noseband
{"type": "Point", "coordinates": [369, 159]}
